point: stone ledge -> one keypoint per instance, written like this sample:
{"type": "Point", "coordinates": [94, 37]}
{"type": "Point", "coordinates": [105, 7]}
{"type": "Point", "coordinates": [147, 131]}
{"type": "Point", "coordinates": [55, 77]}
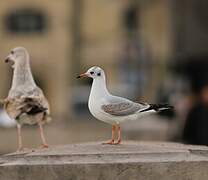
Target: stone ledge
{"type": "Point", "coordinates": [129, 161]}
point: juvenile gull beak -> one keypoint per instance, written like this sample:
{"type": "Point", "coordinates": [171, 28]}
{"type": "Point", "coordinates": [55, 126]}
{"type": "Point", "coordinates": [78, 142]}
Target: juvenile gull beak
{"type": "Point", "coordinates": [82, 75]}
{"type": "Point", "coordinates": [7, 60]}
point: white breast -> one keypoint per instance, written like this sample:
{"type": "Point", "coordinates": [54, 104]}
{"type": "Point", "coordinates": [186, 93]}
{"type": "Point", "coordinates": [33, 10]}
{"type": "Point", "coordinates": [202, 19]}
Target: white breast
{"type": "Point", "coordinates": [98, 96]}
{"type": "Point", "coordinates": [94, 105]}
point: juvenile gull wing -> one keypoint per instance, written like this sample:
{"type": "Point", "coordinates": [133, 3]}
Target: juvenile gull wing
{"type": "Point", "coordinates": [31, 103]}
{"type": "Point", "coordinates": [10, 107]}
{"type": "Point", "coordinates": [36, 99]}
{"type": "Point", "coordinates": [123, 108]}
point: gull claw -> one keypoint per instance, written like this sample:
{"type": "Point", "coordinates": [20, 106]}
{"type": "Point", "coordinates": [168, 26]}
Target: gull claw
{"type": "Point", "coordinates": [118, 142]}
{"type": "Point", "coordinates": [44, 146]}
{"type": "Point", "coordinates": [111, 142]}
{"type": "Point", "coordinates": [21, 149]}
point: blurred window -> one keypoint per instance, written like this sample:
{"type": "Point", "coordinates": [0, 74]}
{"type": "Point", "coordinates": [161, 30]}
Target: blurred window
{"type": "Point", "coordinates": [26, 21]}
{"type": "Point", "coordinates": [131, 18]}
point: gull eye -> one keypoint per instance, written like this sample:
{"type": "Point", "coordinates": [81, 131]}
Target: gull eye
{"type": "Point", "coordinates": [91, 72]}
{"type": "Point", "coordinates": [99, 74]}
{"type": "Point", "coordinates": [12, 52]}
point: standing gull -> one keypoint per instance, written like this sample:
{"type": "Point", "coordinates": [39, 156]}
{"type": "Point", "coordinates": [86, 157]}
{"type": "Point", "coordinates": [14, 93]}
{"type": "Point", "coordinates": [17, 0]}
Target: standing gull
{"type": "Point", "coordinates": [26, 102]}
{"type": "Point", "coordinates": [113, 109]}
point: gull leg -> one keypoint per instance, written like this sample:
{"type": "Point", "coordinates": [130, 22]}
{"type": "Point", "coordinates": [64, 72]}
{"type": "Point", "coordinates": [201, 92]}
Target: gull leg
{"type": "Point", "coordinates": [112, 136]}
{"type": "Point", "coordinates": [44, 143]}
{"type": "Point", "coordinates": [19, 134]}
{"type": "Point", "coordinates": [119, 135]}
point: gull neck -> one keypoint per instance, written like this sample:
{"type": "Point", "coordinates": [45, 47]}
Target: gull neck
{"type": "Point", "coordinates": [99, 88]}
{"type": "Point", "coordinates": [22, 75]}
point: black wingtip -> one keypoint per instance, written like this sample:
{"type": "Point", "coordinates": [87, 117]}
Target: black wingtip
{"type": "Point", "coordinates": [162, 107]}
{"type": "Point", "coordinates": [159, 107]}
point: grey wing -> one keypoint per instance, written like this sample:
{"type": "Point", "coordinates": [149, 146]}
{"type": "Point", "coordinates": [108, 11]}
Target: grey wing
{"type": "Point", "coordinates": [123, 108]}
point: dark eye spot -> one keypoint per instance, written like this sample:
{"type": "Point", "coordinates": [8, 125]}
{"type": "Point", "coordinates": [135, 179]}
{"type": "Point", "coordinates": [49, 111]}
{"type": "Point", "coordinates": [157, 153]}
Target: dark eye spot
{"type": "Point", "coordinates": [99, 74]}
{"type": "Point", "coordinates": [91, 72]}
{"type": "Point", "coordinates": [12, 52]}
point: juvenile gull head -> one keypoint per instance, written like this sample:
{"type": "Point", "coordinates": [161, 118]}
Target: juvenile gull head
{"type": "Point", "coordinates": [17, 55]}
{"type": "Point", "coordinates": [22, 75]}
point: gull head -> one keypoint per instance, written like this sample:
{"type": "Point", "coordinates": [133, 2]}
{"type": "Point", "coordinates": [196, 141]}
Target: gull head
{"type": "Point", "coordinates": [16, 55]}
{"type": "Point", "coordinates": [94, 72]}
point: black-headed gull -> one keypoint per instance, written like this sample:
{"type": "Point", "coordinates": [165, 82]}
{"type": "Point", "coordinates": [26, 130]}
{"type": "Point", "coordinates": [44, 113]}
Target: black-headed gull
{"type": "Point", "coordinates": [26, 102]}
{"type": "Point", "coordinates": [113, 109]}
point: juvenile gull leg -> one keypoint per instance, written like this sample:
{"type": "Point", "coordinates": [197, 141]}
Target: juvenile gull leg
{"type": "Point", "coordinates": [112, 136]}
{"type": "Point", "coordinates": [19, 136]}
{"type": "Point", "coordinates": [44, 143]}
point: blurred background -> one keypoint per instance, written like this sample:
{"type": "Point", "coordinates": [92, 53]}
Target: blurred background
{"type": "Point", "coordinates": [151, 50]}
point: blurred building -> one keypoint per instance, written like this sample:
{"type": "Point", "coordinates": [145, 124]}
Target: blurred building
{"type": "Point", "coordinates": [133, 40]}
{"type": "Point", "coordinates": [66, 37]}
{"type": "Point", "coordinates": [190, 27]}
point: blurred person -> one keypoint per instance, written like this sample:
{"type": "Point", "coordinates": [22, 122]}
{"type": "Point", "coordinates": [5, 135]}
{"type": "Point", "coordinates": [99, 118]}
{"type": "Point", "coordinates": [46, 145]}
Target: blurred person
{"type": "Point", "coordinates": [196, 124]}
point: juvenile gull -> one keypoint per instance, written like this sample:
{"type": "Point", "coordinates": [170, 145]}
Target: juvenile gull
{"type": "Point", "coordinates": [113, 109]}
{"type": "Point", "coordinates": [25, 102]}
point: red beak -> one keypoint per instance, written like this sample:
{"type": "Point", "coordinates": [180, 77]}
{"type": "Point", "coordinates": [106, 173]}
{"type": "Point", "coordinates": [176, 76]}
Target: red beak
{"type": "Point", "coordinates": [82, 75]}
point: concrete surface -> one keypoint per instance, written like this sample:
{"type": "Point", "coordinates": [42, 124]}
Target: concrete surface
{"type": "Point", "coordinates": [92, 161]}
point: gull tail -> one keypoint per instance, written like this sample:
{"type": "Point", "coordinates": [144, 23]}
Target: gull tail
{"type": "Point", "coordinates": [158, 107]}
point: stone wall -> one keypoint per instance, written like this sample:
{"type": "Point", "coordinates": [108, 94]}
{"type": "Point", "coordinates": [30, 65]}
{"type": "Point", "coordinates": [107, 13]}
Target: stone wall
{"type": "Point", "coordinates": [129, 161]}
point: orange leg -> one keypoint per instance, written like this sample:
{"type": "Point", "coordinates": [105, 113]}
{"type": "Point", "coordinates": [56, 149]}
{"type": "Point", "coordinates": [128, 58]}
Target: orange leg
{"type": "Point", "coordinates": [19, 134]}
{"type": "Point", "coordinates": [112, 136]}
{"type": "Point", "coordinates": [119, 135]}
{"type": "Point", "coordinates": [44, 143]}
